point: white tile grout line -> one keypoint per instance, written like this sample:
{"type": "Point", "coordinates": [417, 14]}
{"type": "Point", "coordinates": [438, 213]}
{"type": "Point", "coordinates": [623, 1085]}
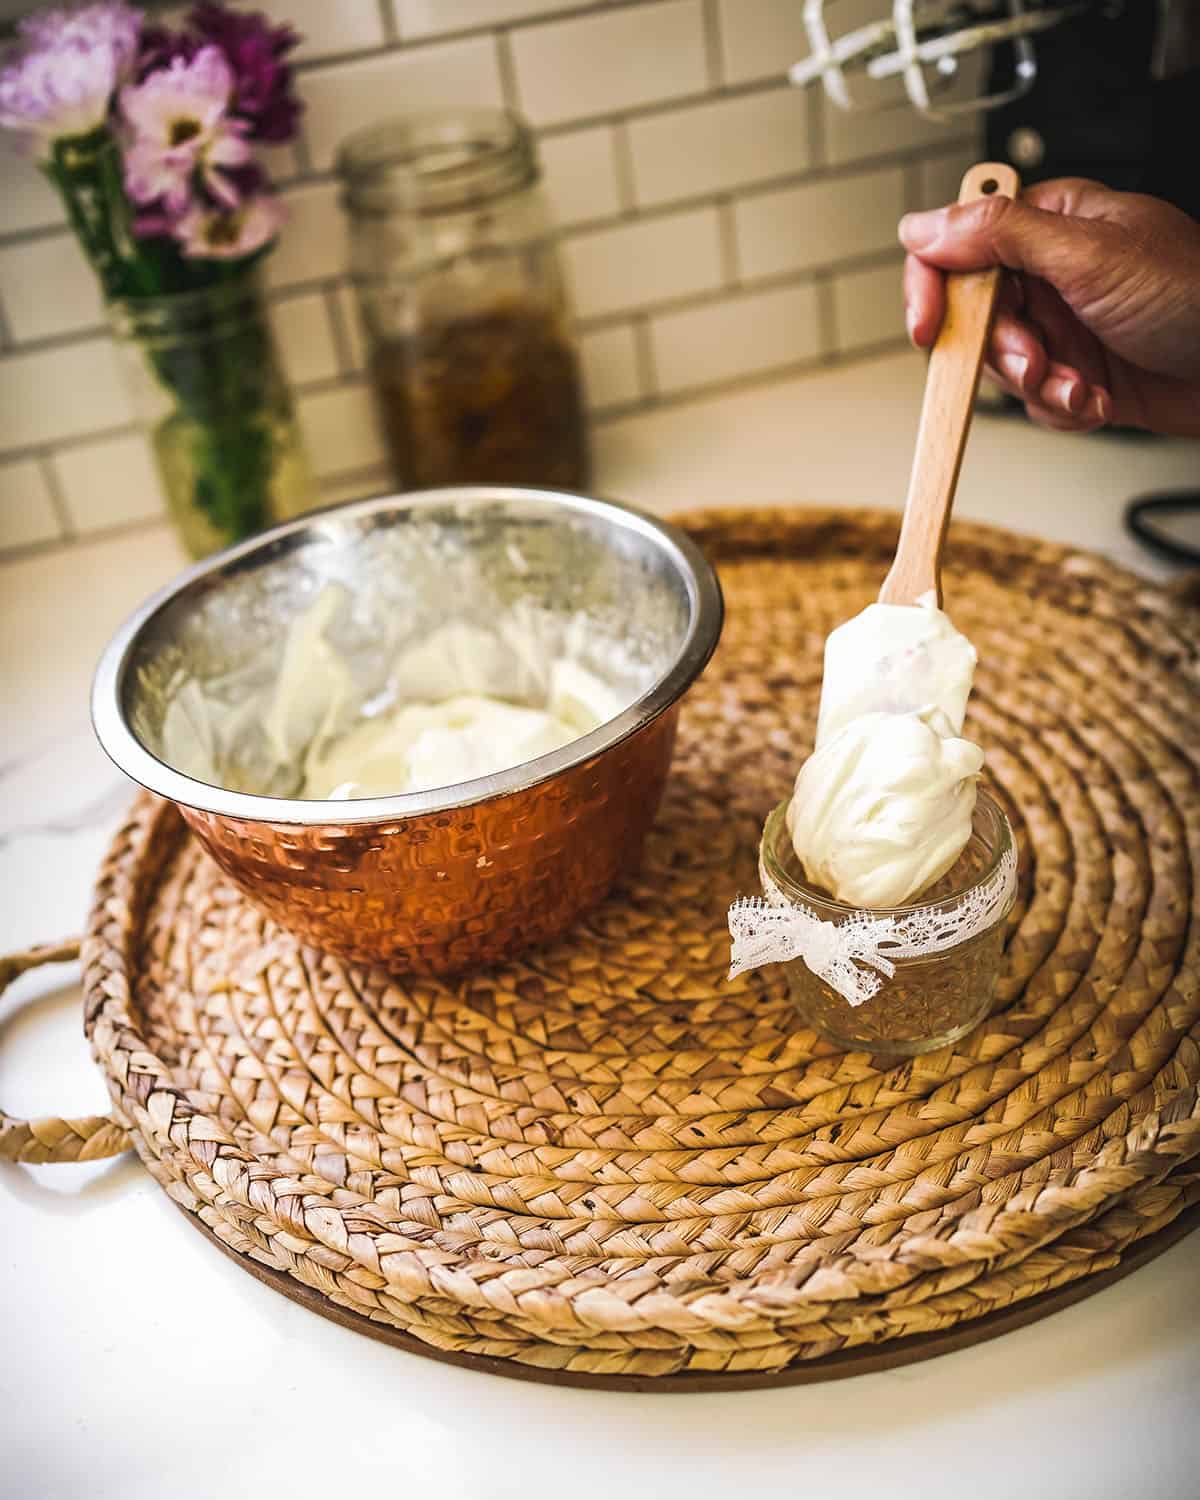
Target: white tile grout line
{"type": "Point", "coordinates": [304, 154]}
{"type": "Point", "coordinates": [356, 377]}
{"type": "Point", "coordinates": [912, 185]}
{"type": "Point", "coordinates": [391, 28]}
{"type": "Point", "coordinates": [860, 166]}
{"type": "Point", "coordinates": [815, 119]}
{"type": "Point", "coordinates": [645, 406]}
{"type": "Point", "coordinates": [66, 444]}
{"type": "Point", "coordinates": [510, 90]}
{"type": "Point", "coordinates": [80, 539]}
{"type": "Point", "coordinates": [643, 349]}
{"type": "Point", "coordinates": [58, 501]}
{"type": "Point", "coordinates": [714, 54]}
{"type": "Point", "coordinates": [567, 12]}
{"type": "Point", "coordinates": [342, 342]}
{"type": "Point", "coordinates": [623, 166]}
{"type": "Point", "coordinates": [878, 162]}
{"type": "Point", "coordinates": [827, 314]}
{"type": "Point", "coordinates": [727, 231]}
{"type": "Point", "coordinates": [351, 373]}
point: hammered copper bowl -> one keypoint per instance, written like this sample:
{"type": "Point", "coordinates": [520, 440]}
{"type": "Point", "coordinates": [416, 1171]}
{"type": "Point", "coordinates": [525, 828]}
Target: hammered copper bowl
{"type": "Point", "coordinates": [438, 881]}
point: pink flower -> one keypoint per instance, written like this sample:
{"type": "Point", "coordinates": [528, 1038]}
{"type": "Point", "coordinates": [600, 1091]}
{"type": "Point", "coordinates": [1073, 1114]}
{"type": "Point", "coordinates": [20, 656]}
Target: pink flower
{"type": "Point", "coordinates": [60, 79]}
{"type": "Point", "coordinates": [230, 233]}
{"type": "Point", "coordinates": [178, 127]}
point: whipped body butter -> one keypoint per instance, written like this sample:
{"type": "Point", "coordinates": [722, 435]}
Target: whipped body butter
{"type": "Point", "coordinates": [882, 808]}
{"type": "Point", "coordinates": [888, 873]}
{"type": "Point", "coordinates": [440, 720]}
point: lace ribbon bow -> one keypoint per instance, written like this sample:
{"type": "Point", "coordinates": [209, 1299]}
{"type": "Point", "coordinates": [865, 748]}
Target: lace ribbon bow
{"type": "Point", "coordinates": [854, 956]}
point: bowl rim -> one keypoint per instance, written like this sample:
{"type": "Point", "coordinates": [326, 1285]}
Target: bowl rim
{"type": "Point", "coordinates": [332, 523]}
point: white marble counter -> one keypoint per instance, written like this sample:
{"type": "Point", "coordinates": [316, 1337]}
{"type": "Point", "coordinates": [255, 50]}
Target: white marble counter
{"type": "Point", "coordinates": [140, 1364]}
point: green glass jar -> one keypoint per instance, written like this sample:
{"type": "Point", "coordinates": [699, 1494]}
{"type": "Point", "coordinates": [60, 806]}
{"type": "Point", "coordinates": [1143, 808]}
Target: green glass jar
{"type": "Point", "coordinates": [209, 392]}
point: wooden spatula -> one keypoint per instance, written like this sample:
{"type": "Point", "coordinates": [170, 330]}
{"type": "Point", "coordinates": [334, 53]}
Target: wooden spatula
{"type": "Point", "coordinates": [950, 386]}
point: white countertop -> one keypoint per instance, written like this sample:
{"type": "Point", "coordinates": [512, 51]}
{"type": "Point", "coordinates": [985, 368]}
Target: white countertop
{"type": "Point", "coordinates": [117, 1380]}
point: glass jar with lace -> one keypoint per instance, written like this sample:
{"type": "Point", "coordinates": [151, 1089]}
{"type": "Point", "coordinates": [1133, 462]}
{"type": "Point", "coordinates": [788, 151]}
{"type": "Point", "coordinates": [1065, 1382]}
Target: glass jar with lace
{"type": "Point", "coordinates": [899, 981]}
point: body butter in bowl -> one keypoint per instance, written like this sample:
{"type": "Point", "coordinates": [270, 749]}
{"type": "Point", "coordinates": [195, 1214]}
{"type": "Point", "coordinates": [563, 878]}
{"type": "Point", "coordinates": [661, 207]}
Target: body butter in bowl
{"type": "Point", "coordinates": [425, 731]}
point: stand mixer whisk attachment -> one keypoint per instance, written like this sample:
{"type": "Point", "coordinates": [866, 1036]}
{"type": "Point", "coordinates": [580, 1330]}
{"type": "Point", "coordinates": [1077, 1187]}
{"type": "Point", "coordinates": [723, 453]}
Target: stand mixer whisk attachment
{"type": "Point", "coordinates": [922, 42]}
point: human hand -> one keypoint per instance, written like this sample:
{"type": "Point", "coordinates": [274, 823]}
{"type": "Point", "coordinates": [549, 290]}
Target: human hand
{"type": "Point", "coordinates": [1098, 318]}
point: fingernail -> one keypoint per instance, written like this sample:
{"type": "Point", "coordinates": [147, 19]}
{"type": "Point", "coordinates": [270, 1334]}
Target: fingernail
{"type": "Point", "coordinates": [919, 231]}
{"type": "Point", "coordinates": [1013, 366]}
{"type": "Point", "coordinates": [1099, 407]}
{"type": "Point", "coordinates": [1066, 394]}
{"type": "Point", "coordinates": [910, 323]}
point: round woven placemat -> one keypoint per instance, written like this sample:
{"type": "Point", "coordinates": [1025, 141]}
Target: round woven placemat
{"type": "Point", "coordinates": [606, 1160]}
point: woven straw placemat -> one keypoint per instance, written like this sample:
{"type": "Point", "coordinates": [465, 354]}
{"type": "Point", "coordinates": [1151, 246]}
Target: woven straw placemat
{"type": "Point", "coordinates": [605, 1161]}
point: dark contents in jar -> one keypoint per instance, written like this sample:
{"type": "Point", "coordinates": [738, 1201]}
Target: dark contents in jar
{"type": "Point", "coordinates": [487, 398]}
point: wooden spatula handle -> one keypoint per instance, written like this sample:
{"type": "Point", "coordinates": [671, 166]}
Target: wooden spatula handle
{"type": "Point", "coordinates": [950, 386]}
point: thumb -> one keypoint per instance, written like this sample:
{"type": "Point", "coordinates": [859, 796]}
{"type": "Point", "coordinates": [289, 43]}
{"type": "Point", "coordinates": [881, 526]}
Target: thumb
{"type": "Point", "coordinates": [1011, 233]}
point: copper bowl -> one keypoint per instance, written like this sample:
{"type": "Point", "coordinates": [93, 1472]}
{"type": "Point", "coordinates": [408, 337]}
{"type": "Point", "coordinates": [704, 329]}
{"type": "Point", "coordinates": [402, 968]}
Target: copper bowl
{"type": "Point", "coordinates": [437, 881]}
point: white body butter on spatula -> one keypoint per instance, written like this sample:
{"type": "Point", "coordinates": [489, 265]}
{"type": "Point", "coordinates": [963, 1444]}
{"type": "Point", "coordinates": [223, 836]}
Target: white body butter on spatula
{"type": "Point", "coordinates": [882, 809]}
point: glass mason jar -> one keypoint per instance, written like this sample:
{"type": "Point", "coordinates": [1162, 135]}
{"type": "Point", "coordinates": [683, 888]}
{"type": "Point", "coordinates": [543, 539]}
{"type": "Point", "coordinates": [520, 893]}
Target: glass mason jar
{"type": "Point", "coordinates": [473, 364]}
{"type": "Point", "coordinates": [209, 392]}
{"type": "Point", "coordinates": [931, 1000]}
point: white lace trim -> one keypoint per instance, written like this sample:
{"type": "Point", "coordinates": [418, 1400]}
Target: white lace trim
{"type": "Point", "coordinates": [769, 929]}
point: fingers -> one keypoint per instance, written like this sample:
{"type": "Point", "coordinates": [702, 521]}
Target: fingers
{"type": "Point", "coordinates": [924, 301]}
{"type": "Point", "coordinates": [1067, 392]}
{"type": "Point", "coordinates": [1056, 402]}
{"type": "Point", "coordinates": [1016, 352]}
{"type": "Point", "coordinates": [1007, 232]}
{"type": "Point", "coordinates": [1045, 416]}
{"type": "Point", "coordinates": [1062, 332]}
{"type": "Point", "coordinates": [1066, 396]}
{"type": "Point", "coordinates": [1017, 355]}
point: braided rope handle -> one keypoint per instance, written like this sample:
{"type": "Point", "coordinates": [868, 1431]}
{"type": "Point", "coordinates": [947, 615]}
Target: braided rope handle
{"type": "Point", "coordinates": [88, 1139]}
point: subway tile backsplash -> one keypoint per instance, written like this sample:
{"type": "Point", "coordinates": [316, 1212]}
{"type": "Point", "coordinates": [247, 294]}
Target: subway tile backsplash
{"type": "Point", "coordinates": [344, 97]}
{"type": "Point", "coordinates": [644, 261]}
{"type": "Point", "coordinates": [620, 58]}
{"type": "Point", "coordinates": [819, 223]}
{"type": "Point", "coordinates": [739, 335]}
{"type": "Point", "coordinates": [717, 225]}
{"type": "Point", "coordinates": [719, 146]}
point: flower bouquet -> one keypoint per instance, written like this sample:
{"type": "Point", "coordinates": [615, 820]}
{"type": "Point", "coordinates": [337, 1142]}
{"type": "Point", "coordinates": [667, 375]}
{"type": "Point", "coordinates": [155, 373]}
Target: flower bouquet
{"type": "Point", "coordinates": [150, 136]}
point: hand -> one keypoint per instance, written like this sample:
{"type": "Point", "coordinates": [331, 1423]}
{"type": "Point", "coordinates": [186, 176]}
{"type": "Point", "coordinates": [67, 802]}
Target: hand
{"type": "Point", "coordinates": [1098, 319]}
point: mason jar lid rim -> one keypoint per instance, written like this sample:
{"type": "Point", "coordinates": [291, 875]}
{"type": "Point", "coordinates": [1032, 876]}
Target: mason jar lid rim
{"type": "Point", "coordinates": [438, 157]}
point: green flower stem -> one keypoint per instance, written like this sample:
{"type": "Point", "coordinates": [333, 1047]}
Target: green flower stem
{"type": "Point", "coordinates": [213, 356]}
{"type": "Point", "coordinates": [83, 169]}
{"type": "Point", "coordinates": [221, 371]}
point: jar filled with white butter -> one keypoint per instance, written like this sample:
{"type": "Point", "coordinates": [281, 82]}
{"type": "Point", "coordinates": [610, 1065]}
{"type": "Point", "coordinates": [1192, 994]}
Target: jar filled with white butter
{"type": "Point", "coordinates": [889, 873]}
{"type": "Point", "coordinates": [896, 980]}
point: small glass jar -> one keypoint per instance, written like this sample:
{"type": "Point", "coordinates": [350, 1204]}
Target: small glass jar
{"type": "Point", "coordinates": [473, 364]}
{"type": "Point", "coordinates": [931, 1000]}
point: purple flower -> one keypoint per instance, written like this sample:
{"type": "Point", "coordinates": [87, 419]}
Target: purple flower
{"type": "Point", "coordinates": [178, 131]}
{"type": "Point", "coordinates": [263, 80]}
{"type": "Point", "coordinates": [229, 233]}
{"type": "Point", "coordinates": [60, 78]}
{"type": "Point", "coordinates": [160, 47]}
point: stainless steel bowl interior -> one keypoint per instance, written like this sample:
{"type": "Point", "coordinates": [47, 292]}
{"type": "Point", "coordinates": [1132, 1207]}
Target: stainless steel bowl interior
{"type": "Point", "coordinates": [635, 597]}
